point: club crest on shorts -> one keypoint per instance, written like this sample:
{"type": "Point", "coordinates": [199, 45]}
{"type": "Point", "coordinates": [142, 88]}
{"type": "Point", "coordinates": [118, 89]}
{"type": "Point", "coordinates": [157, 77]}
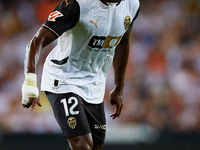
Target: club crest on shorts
{"type": "Point", "coordinates": [127, 22]}
{"type": "Point", "coordinates": [72, 122]}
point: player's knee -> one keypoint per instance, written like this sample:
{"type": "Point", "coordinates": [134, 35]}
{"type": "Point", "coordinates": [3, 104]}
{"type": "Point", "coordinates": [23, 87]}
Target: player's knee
{"type": "Point", "coordinates": [81, 143]}
{"type": "Point", "coordinates": [82, 146]}
{"type": "Point", "coordinates": [97, 147]}
{"type": "Point", "coordinates": [86, 146]}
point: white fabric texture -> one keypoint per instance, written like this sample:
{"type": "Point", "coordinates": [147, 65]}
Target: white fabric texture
{"type": "Point", "coordinates": [89, 47]}
{"type": "Point", "coordinates": [29, 88]}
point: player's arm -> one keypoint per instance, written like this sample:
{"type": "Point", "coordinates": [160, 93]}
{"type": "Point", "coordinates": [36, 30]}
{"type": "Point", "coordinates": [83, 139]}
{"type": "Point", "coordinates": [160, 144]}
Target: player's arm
{"type": "Point", "coordinates": [30, 91]}
{"type": "Point", "coordinates": [41, 39]}
{"type": "Point", "coordinates": [119, 63]}
{"type": "Point", "coordinates": [63, 18]}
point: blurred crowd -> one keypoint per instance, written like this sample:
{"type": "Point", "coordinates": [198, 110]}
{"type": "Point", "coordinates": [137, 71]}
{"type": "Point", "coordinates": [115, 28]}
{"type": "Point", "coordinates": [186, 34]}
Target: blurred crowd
{"type": "Point", "coordinates": [162, 85]}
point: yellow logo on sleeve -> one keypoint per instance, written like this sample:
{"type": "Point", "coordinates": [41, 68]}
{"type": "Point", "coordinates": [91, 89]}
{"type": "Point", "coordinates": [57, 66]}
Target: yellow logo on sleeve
{"type": "Point", "coordinates": [127, 22]}
{"type": "Point", "coordinates": [67, 3]}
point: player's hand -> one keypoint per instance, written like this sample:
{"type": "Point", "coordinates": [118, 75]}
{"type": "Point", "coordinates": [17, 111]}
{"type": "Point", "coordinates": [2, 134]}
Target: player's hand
{"type": "Point", "coordinates": [116, 99]}
{"type": "Point", "coordinates": [30, 91]}
{"type": "Point", "coordinates": [32, 102]}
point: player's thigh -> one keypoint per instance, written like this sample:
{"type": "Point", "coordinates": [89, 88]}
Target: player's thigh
{"type": "Point", "coordinates": [70, 114]}
{"type": "Point", "coordinates": [97, 121]}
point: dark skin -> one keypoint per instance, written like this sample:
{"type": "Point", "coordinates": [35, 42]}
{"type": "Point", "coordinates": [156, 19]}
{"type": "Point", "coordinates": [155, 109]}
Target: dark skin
{"type": "Point", "coordinates": [119, 64]}
{"type": "Point", "coordinates": [43, 38]}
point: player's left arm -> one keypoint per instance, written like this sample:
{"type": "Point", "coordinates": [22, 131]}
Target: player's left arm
{"type": "Point", "coordinates": [119, 63]}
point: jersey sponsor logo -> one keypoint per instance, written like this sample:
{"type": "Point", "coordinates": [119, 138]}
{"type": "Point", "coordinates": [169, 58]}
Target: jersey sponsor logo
{"type": "Point", "coordinates": [54, 15]}
{"type": "Point", "coordinates": [67, 3]}
{"type": "Point", "coordinates": [104, 42]}
{"type": "Point", "coordinates": [95, 23]}
{"type": "Point", "coordinates": [97, 42]}
{"type": "Point", "coordinates": [72, 122]}
{"type": "Point", "coordinates": [111, 41]}
{"type": "Point", "coordinates": [127, 22]}
{"type": "Point", "coordinates": [99, 126]}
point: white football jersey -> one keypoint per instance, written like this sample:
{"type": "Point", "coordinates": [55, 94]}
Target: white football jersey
{"type": "Point", "coordinates": [83, 56]}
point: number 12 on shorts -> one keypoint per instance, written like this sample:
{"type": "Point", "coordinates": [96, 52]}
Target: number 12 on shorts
{"type": "Point", "coordinates": [71, 109]}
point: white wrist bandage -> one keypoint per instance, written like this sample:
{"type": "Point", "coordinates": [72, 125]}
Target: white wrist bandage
{"type": "Point", "coordinates": [29, 88]}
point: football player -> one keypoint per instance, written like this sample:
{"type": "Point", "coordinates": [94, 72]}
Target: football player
{"type": "Point", "coordinates": [92, 34]}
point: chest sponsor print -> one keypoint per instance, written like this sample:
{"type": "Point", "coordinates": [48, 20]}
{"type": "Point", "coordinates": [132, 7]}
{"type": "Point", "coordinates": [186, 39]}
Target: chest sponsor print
{"type": "Point", "coordinates": [104, 42]}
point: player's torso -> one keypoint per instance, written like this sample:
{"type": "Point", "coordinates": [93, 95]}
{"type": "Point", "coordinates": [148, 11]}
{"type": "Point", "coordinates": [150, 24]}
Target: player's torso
{"type": "Point", "coordinates": [97, 33]}
{"type": "Point", "coordinates": [103, 25]}
{"type": "Point", "coordinates": [90, 44]}
{"type": "Point", "coordinates": [89, 47]}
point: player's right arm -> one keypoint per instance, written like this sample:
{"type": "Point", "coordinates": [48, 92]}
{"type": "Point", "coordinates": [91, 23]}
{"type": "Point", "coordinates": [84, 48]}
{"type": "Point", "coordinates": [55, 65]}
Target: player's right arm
{"type": "Point", "coordinates": [41, 39]}
{"type": "Point", "coordinates": [63, 18]}
{"type": "Point", "coordinates": [30, 92]}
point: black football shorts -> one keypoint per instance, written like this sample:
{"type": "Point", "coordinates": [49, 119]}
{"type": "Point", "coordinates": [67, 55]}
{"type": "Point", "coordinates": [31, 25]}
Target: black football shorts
{"type": "Point", "coordinates": [76, 117]}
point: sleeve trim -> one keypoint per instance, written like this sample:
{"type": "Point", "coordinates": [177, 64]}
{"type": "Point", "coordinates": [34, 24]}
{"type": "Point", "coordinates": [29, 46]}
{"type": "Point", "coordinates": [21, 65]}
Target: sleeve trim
{"type": "Point", "coordinates": [50, 29]}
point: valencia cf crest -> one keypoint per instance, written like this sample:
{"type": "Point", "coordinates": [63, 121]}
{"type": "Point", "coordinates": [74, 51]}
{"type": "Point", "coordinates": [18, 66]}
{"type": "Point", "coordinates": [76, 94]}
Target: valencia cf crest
{"type": "Point", "coordinates": [72, 122]}
{"type": "Point", "coordinates": [127, 22]}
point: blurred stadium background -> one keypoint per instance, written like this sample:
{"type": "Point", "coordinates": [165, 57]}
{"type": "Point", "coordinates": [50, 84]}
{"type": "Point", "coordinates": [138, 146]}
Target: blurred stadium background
{"type": "Point", "coordinates": [162, 90]}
